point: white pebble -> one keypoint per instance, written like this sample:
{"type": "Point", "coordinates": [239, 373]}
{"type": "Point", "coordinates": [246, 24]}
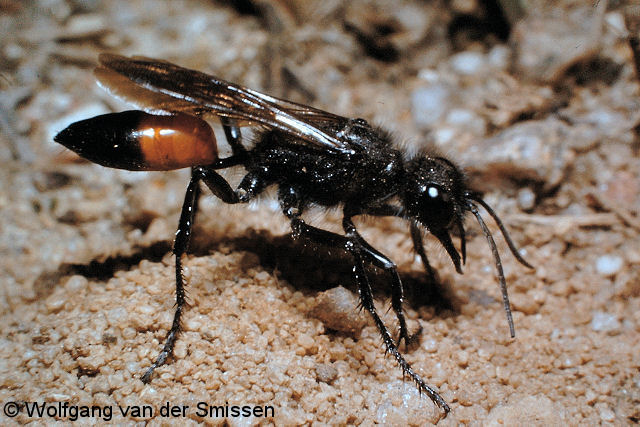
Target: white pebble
{"type": "Point", "coordinates": [609, 265]}
{"type": "Point", "coordinates": [305, 341]}
{"type": "Point", "coordinates": [604, 322]}
{"type": "Point", "coordinates": [76, 283]}
{"type": "Point", "coordinates": [430, 346]}
{"type": "Point", "coordinates": [429, 104]}
{"type": "Point", "coordinates": [443, 136]}
{"type": "Point", "coordinates": [468, 63]}
{"type": "Point", "coordinates": [616, 21]}
{"type": "Point", "coordinates": [526, 199]}
{"type": "Point", "coordinates": [499, 57]}
{"type": "Point", "coordinates": [132, 367]}
{"type": "Point", "coordinates": [55, 303]}
{"type": "Point", "coordinates": [459, 116]}
{"type": "Point", "coordinates": [607, 415]}
{"type": "Point", "coordinates": [116, 316]}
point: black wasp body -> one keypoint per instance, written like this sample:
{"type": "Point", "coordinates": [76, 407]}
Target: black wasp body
{"type": "Point", "coordinates": [368, 176]}
{"type": "Point", "coordinates": [313, 158]}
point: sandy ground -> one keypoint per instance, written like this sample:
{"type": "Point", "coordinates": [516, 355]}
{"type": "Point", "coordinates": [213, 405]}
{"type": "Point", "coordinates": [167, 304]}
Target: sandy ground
{"type": "Point", "coordinates": [540, 107]}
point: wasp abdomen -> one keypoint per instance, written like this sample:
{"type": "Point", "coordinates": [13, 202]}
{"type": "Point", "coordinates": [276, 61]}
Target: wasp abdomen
{"type": "Point", "coordinates": [135, 140]}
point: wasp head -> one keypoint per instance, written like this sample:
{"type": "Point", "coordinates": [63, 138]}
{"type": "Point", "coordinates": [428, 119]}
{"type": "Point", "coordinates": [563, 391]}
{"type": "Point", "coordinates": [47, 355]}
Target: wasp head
{"type": "Point", "coordinates": [435, 196]}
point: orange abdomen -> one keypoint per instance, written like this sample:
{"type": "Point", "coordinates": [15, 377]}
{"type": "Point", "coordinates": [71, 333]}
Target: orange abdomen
{"type": "Point", "coordinates": [135, 140]}
{"type": "Point", "coordinates": [174, 142]}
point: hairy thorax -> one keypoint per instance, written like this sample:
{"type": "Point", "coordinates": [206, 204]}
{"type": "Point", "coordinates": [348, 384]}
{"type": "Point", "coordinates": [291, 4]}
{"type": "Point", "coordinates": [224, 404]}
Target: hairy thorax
{"type": "Point", "coordinates": [369, 176]}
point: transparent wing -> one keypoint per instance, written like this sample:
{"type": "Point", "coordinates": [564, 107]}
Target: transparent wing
{"type": "Point", "coordinates": [160, 86]}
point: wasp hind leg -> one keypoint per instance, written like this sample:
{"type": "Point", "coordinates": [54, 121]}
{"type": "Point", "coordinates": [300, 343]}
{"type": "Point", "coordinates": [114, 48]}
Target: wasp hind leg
{"type": "Point", "coordinates": [220, 188]}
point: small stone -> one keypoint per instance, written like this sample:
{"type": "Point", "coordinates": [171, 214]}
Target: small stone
{"type": "Point", "coordinates": [605, 322]}
{"type": "Point", "coordinates": [129, 333]}
{"type": "Point", "coordinates": [462, 358]}
{"type": "Point", "coordinates": [607, 415]}
{"type": "Point", "coordinates": [528, 410]}
{"type": "Point", "coordinates": [627, 284]}
{"type": "Point", "coordinates": [430, 345]}
{"type": "Point", "coordinates": [536, 150]}
{"type": "Point", "coordinates": [337, 309]}
{"type": "Point", "coordinates": [55, 303]}
{"type": "Point", "coordinates": [590, 397]}
{"type": "Point", "coordinates": [117, 316]}
{"type": "Point", "coordinates": [132, 367]}
{"type": "Point", "coordinates": [526, 199]}
{"type": "Point", "coordinates": [466, 120]}
{"type": "Point", "coordinates": [547, 46]}
{"type": "Point", "coordinates": [609, 265]}
{"type": "Point", "coordinates": [623, 190]}
{"type": "Point", "coordinates": [84, 26]}
{"type": "Point", "coordinates": [468, 63]}
{"type": "Point", "coordinates": [76, 283]}
{"type": "Point", "coordinates": [325, 372]}
{"type": "Point", "coordinates": [305, 341]}
{"type": "Point", "coordinates": [429, 104]}
{"type": "Point", "coordinates": [498, 57]}
{"type": "Point", "coordinates": [525, 303]}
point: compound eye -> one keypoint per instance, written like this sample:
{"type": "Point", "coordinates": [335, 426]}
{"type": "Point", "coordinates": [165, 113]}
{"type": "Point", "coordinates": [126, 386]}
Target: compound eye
{"type": "Point", "coordinates": [437, 209]}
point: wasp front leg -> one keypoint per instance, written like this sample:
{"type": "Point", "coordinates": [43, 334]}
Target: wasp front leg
{"type": "Point", "coordinates": [382, 261]}
{"type": "Point", "coordinates": [359, 254]}
{"type": "Point", "coordinates": [362, 252]}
